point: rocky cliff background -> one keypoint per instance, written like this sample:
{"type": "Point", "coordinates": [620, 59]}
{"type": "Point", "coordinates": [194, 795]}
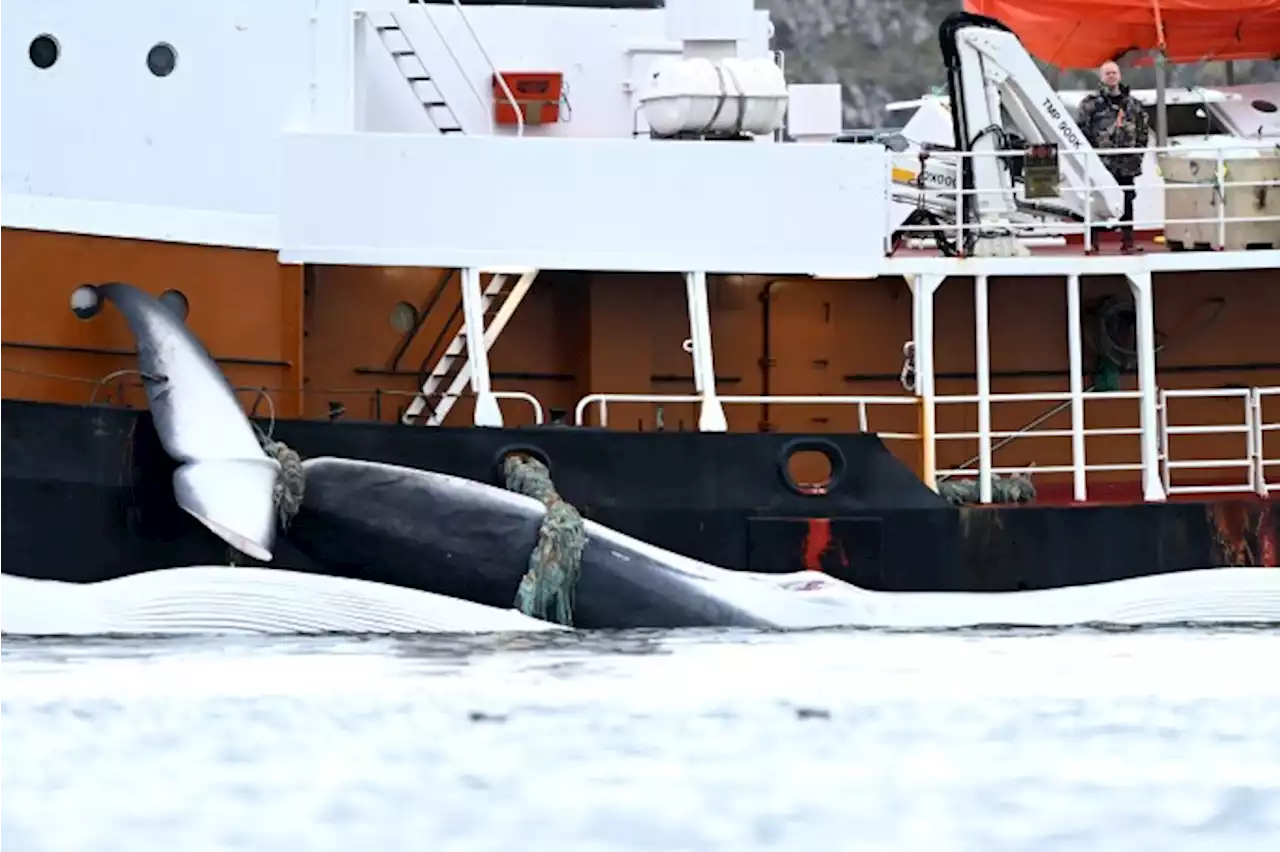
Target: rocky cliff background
{"type": "Point", "coordinates": [887, 50]}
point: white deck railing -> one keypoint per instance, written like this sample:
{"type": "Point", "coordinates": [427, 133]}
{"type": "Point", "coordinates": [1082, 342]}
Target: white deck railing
{"type": "Point", "coordinates": [945, 200]}
{"type": "Point", "coordinates": [861, 403]}
{"type": "Point", "coordinates": [1255, 459]}
{"type": "Point", "coordinates": [1266, 421]}
{"type": "Point", "coordinates": [1079, 467]}
{"type": "Point", "coordinates": [1246, 427]}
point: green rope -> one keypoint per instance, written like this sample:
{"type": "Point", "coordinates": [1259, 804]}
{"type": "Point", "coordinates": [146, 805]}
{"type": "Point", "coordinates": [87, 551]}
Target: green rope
{"type": "Point", "coordinates": [1014, 488]}
{"type": "Point", "coordinates": [546, 590]}
{"type": "Point", "coordinates": [1106, 374]}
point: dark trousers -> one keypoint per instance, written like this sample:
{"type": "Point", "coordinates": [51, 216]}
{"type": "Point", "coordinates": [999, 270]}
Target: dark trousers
{"type": "Point", "coordinates": [1126, 186]}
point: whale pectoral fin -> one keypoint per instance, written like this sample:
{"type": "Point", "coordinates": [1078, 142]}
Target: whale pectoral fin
{"type": "Point", "coordinates": [234, 498]}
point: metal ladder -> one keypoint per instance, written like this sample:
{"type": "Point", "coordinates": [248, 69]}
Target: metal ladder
{"type": "Point", "coordinates": [411, 66]}
{"type": "Point", "coordinates": [500, 299]}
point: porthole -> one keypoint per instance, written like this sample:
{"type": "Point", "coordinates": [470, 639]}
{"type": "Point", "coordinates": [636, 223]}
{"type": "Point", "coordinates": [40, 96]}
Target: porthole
{"type": "Point", "coordinates": [44, 51]}
{"type": "Point", "coordinates": [821, 475]}
{"type": "Point", "coordinates": [810, 470]}
{"type": "Point", "coordinates": [162, 59]}
{"type": "Point", "coordinates": [1264, 106]}
{"type": "Point", "coordinates": [176, 301]}
{"type": "Point", "coordinates": [404, 317]}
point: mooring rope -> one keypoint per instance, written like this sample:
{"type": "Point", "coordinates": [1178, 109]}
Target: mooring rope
{"type": "Point", "coordinates": [291, 484]}
{"type": "Point", "coordinates": [965, 491]}
{"type": "Point", "coordinates": [547, 589]}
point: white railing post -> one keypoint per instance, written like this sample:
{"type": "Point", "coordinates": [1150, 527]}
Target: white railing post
{"type": "Point", "coordinates": [1248, 438]}
{"type": "Point", "coordinates": [711, 416]}
{"type": "Point", "coordinates": [1166, 463]}
{"type": "Point", "coordinates": [1144, 319]}
{"type": "Point", "coordinates": [1075, 368]}
{"type": "Point", "coordinates": [1257, 459]}
{"type": "Point", "coordinates": [1088, 205]}
{"type": "Point", "coordinates": [888, 204]}
{"type": "Point", "coordinates": [923, 288]}
{"type": "Point", "coordinates": [982, 335]}
{"type": "Point", "coordinates": [1220, 178]}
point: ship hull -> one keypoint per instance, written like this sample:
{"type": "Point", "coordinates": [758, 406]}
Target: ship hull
{"type": "Point", "coordinates": [87, 496]}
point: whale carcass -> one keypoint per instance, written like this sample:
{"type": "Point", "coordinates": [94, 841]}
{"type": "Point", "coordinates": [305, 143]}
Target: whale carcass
{"type": "Point", "coordinates": [224, 479]}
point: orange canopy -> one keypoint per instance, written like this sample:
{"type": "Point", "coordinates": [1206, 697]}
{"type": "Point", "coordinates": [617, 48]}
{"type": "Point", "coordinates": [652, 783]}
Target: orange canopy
{"type": "Point", "coordinates": [1086, 33]}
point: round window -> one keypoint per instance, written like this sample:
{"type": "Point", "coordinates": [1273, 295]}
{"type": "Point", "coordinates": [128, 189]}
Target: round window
{"type": "Point", "coordinates": [404, 317]}
{"type": "Point", "coordinates": [43, 51]}
{"type": "Point", "coordinates": [162, 59]}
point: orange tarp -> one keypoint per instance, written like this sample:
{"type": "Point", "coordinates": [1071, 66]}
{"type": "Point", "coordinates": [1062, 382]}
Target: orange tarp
{"type": "Point", "coordinates": [1086, 33]}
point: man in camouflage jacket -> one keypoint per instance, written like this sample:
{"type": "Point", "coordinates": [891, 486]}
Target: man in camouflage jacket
{"type": "Point", "coordinates": [1112, 118]}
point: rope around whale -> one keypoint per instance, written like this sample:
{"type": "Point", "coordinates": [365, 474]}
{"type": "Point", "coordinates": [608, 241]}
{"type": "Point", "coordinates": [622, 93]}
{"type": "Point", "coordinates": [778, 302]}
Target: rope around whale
{"type": "Point", "coordinates": [291, 484]}
{"type": "Point", "coordinates": [547, 589]}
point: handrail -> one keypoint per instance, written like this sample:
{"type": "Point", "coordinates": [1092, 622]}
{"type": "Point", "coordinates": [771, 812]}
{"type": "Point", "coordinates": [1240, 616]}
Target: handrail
{"type": "Point", "coordinates": [506, 90]}
{"type": "Point", "coordinates": [946, 199]}
{"type": "Point", "coordinates": [539, 417]}
{"type": "Point", "coordinates": [1248, 428]}
{"type": "Point", "coordinates": [1030, 431]}
{"type": "Point", "coordinates": [1253, 426]}
{"type": "Point", "coordinates": [457, 63]}
{"type": "Point", "coordinates": [603, 400]}
{"type": "Point", "coordinates": [1261, 427]}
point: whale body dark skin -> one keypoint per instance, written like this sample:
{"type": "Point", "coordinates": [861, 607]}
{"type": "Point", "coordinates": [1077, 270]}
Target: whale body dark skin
{"type": "Point", "coordinates": [468, 540]}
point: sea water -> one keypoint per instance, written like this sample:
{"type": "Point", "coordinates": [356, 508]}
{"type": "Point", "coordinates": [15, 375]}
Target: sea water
{"type": "Point", "coordinates": [1086, 739]}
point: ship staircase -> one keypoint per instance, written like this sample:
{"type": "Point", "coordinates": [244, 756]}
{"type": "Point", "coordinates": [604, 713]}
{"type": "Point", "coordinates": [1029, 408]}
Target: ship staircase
{"type": "Point", "coordinates": [413, 68]}
{"type": "Point", "coordinates": [446, 370]}
{"type": "Point", "coordinates": [411, 64]}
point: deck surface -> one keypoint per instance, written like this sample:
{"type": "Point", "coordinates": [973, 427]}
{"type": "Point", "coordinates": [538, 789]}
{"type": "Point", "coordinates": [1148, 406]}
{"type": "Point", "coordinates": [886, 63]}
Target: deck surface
{"type": "Point", "coordinates": [1064, 258]}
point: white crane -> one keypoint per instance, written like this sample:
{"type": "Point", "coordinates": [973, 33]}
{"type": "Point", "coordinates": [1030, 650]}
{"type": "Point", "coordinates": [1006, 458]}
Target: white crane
{"type": "Point", "coordinates": [995, 88]}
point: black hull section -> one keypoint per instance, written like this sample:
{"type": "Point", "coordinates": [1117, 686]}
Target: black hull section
{"type": "Point", "coordinates": [87, 496]}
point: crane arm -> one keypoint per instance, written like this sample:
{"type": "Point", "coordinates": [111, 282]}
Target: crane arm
{"type": "Point", "coordinates": [995, 90]}
{"type": "Point", "coordinates": [987, 68]}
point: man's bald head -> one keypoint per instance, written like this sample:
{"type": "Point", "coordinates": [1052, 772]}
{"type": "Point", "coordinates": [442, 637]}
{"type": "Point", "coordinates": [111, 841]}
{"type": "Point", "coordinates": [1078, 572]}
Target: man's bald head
{"type": "Point", "coordinates": [1109, 73]}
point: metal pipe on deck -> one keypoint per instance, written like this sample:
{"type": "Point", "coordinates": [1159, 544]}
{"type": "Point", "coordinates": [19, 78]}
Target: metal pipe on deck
{"type": "Point", "coordinates": [923, 288]}
{"type": "Point", "coordinates": [487, 412]}
{"type": "Point", "coordinates": [982, 339]}
{"type": "Point", "coordinates": [1145, 327]}
{"type": "Point", "coordinates": [1075, 372]}
{"type": "Point", "coordinates": [711, 414]}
